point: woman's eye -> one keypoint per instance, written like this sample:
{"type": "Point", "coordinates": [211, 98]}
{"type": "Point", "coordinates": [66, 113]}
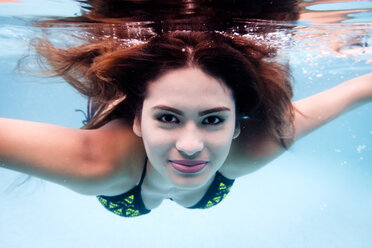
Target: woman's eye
{"type": "Point", "coordinates": [168, 118]}
{"type": "Point", "coordinates": [213, 120]}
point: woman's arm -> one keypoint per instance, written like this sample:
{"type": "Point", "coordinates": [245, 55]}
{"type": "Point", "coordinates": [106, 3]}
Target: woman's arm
{"type": "Point", "coordinates": [316, 110]}
{"type": "Point", "coordinates": [254, 148]}
{"type": "Point", "coordinates": [79, 159]}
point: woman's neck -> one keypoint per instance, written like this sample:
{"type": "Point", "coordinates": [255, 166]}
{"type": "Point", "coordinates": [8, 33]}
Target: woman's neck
{"type": "Point", "coordinates": [156, 188]}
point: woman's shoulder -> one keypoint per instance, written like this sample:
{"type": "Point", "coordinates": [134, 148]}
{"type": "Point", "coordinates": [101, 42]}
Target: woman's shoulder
{"type": "Point", "coordinates": [123, 155]}
{"type": "Point", "coordinates": [253, 149]}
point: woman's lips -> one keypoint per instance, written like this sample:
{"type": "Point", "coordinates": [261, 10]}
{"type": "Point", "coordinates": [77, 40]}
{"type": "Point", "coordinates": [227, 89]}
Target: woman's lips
{"type": "Point", "coordinates": [188, 166]}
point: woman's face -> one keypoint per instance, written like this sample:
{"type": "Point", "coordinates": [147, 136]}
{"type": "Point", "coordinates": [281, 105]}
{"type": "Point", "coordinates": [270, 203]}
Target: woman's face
{"type": "Point", "coordinates": [187, 125]}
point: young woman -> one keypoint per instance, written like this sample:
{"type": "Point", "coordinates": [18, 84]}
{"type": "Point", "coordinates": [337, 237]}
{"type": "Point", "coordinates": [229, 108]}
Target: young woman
{"type": "Point", "coordinates": [178, 117]}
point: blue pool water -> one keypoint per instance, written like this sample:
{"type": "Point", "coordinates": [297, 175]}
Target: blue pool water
{"type": "Point", "coordinates": [318, 194]}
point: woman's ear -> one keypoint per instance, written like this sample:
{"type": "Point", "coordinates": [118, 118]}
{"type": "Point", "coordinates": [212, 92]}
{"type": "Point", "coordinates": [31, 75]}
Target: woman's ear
{"type": "Point", "coordinates": [137, 127]}
{"type": "Point", "coordinates": [237, 131]}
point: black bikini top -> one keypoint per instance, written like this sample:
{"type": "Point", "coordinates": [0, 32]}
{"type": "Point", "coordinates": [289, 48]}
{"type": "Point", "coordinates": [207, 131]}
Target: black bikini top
{"type": "Point", "coordinates": [130, 203]}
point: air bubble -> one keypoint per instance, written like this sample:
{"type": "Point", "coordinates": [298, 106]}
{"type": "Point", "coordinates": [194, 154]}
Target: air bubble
{"type": "Point", "coordinates": [324, 206]}
{"type": "Point", "coordinates": [360, 148]}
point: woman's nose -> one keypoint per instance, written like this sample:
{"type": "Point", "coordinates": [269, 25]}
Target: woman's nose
{"type": "Point", "coordinates": [190, 143]}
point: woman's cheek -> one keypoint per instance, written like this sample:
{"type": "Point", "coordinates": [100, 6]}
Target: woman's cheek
{"type": "Point", "coordinates": [157, 141]}
{"type": "Point", "coordinates": [221, 138]}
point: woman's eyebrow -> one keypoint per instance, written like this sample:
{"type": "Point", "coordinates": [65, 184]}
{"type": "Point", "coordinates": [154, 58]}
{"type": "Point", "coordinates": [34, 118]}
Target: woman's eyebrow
{"type": "Point", "coordinates": [179, 112]}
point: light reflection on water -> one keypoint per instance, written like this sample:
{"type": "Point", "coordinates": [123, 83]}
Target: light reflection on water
{"type": "Point", "coordinates": [316, 195]}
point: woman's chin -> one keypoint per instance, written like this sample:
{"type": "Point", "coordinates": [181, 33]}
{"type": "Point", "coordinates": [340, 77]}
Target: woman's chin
{"type": "Point", "coordinates": [189, 180]}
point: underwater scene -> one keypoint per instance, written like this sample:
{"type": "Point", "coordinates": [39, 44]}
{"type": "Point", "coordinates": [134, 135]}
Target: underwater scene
{"type": "Point", "coordinates": [316, 194]}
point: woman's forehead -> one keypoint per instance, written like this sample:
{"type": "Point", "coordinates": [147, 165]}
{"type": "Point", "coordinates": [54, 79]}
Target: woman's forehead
{"type": "Point", "coordinates": [188, 83]}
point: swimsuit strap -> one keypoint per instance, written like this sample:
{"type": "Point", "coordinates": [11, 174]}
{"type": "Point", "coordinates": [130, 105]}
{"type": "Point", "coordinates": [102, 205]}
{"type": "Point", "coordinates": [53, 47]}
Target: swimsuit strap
{"type": "Point", "coordinates": [216, 192]}
{"type": "Point", "coordinates": [128, 204]}
{"type": "Point", "coordinates": [143, 173]}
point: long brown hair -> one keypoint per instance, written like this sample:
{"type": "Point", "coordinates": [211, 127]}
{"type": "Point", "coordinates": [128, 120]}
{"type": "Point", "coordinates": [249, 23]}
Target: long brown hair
{"type": "Point", "coordinates": [112, 69]}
